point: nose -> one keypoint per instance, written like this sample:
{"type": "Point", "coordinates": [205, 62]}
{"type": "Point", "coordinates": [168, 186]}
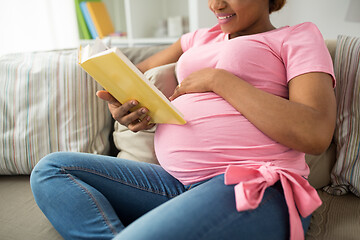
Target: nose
{"type": "Point", "coordinates": [216, 4]}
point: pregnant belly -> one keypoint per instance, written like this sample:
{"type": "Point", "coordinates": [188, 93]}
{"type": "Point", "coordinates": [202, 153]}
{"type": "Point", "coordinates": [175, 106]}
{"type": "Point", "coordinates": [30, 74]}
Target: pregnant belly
{"type": "Point", "coordinates": [215, 136]}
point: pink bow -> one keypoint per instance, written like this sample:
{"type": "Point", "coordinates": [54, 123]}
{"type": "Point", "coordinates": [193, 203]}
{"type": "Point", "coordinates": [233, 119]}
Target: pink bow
{"type": "Point", "coordinates": [251, 184]}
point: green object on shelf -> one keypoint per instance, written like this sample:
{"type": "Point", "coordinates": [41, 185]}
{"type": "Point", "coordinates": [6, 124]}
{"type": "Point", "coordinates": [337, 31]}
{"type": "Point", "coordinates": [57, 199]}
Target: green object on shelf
{"type": "Point", "coordinates": [83, 29]}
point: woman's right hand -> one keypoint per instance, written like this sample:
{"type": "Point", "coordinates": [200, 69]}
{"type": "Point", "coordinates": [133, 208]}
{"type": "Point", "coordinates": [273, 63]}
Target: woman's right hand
{"type": "Point", "coordinates": [134, 121]}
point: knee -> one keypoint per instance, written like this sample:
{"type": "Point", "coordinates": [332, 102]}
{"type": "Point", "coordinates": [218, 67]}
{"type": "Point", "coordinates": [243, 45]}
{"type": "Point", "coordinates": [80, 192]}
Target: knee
{"type": "Point", "coordinates": [46, 168]}
{"type": "Point", "coordinates": [48, 162]}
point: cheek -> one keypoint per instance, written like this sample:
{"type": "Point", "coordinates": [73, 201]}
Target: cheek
{"type": "Point", "coordinates": [210, 5]}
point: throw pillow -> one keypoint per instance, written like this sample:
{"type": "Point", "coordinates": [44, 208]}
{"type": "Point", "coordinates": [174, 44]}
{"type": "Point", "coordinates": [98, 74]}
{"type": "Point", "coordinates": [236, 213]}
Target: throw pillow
{"type": "Point", "coordinates": [140, 146]}
{"type": "Point", "coordinates": [345, 175]}
{"type": "Point", "coordinates": [48, 104]}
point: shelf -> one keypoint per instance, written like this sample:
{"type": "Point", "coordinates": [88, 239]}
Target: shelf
{"type": "Point", "coordinates": [145, 21]}
{"type": "Point", "coordinates": [124, 42]}
{"type": "Point", "coordinates": [149, 41]}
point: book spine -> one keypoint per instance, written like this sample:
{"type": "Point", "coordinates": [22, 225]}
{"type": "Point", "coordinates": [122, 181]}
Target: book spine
{"type": "Point", "coordinates": [88, 20]}
{"type": "Point", "coordinates": [100, 18]}
{"type": "Point", "coordinates": [83, 29]}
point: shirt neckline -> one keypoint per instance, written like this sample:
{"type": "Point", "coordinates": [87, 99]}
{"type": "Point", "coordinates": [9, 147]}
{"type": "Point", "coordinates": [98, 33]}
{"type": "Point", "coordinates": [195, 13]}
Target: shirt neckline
{"type": "Point", "coordinates": [227, 35]}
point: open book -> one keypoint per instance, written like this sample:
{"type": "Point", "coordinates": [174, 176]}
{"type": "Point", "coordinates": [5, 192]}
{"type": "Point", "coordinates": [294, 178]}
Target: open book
{"type": "Point", "coordinates": [120, 77]}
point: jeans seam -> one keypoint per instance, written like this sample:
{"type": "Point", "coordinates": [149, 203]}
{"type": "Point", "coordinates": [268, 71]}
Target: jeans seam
{"type": "Point", "coordinates": [161, 180]}
{"type": "Point", "coordinates": [106, 220]}
{"type": "Point", "coordinates": [119, 181]}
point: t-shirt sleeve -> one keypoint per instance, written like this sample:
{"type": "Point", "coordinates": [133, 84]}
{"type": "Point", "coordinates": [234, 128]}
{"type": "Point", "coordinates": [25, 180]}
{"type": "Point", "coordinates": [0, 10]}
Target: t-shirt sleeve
{"type": "Point", "coordinates": [199, 37]}
{"type": "Point", "coordinates": [187, 40]}
{"type": "Point", "coordinates": [304, 51]}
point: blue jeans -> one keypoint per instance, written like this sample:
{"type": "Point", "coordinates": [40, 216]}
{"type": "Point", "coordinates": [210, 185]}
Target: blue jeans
{"type": "Point", "coordinates": [99, 197]}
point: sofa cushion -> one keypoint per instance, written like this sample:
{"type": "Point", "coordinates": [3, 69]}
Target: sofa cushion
{"type": "Point", "coordinates": [346, 172]}
{"type": "Point", "coordinates": [336, 219]}
{"type": "Point", "coordinates": [138, 54]}
{"type": "Point", "coordinates": [20, 217]}
{"type": "Point", "coordinates": [321, 166]}
{"type": "Point", "coordinates": [48, 104]}
{"type": "Point", "coordinates": [140, 146]}
{"type": "Point", "coordinates": [331, 45]}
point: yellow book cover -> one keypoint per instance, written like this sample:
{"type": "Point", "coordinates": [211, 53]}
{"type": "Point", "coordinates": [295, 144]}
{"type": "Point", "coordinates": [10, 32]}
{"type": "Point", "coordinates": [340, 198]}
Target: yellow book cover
{"type": "Point", "coordinates": [120, 77]}
{"type": "Point", "coordinates": [101, 18]}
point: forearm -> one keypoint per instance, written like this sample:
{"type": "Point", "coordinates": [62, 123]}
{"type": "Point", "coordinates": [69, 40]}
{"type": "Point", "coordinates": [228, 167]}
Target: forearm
{"type": "Point", "coordinates": [166, 56]}
{"type": "Point", "coordinates": [302, 127]}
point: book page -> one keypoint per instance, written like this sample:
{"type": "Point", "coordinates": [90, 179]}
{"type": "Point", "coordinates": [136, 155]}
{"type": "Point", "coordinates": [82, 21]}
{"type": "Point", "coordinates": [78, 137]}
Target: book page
{"type": "Point", "coordinates": [96, 49]}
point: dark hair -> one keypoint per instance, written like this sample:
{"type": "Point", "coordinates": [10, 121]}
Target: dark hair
{"type": "Point", "coordinates": [276, 5]}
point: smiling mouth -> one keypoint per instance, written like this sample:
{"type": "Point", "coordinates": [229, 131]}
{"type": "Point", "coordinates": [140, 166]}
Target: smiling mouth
{"type": "Point", "coordinates": [225, 17]}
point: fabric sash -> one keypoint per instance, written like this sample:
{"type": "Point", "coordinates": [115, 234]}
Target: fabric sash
{"type": "Point", "coordinates": [251, 183]}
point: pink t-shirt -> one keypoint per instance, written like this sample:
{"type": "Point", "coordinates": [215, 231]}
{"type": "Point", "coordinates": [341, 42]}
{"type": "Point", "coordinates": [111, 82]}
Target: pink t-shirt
{"type": "Point", "coordinates": [216, 135]}
{"type": "Point", "coordinates": [218, 139]}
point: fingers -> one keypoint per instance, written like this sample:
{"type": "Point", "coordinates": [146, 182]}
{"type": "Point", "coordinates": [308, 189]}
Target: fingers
{"type": "Point", "coordinates": [141, 124]}
{"type": "Point", "coordinates": [119, 111]}
{"type": "Point", "coordinates": [105, 95]}
{"type": "Point", "coordinates": [179, 90]}
{"type": "Point", "coordinates": [127, 118]}
{"type": "Point", "coordinates": [136, 120]}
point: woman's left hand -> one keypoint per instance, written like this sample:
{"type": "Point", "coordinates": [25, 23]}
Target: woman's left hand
{"type": "Point", "coordinates": [197, 82]}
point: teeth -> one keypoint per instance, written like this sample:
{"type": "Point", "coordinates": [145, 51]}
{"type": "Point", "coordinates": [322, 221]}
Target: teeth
{"type": "Point", "coordinates": [226, 17]}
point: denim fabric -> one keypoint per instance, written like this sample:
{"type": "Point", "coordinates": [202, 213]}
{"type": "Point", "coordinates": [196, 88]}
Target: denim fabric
{"type": "Point", "coordinates": [99, 197]}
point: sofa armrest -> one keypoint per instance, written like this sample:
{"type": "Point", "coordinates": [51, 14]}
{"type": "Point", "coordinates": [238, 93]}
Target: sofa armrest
{"type": "Point", "coordinates": [331, 45]}
{"type": "Point", "coordinates": [321, 167]}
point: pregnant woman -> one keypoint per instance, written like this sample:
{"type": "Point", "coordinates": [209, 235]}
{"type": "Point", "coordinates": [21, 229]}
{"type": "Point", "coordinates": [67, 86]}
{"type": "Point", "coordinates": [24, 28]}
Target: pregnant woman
{"type": "Point", "coordinates": [256, 98]}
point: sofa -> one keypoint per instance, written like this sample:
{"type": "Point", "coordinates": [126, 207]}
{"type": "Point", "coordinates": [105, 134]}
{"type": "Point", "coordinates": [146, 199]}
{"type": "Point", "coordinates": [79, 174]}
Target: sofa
{"type": "Point", "coordinates": [73, 108]}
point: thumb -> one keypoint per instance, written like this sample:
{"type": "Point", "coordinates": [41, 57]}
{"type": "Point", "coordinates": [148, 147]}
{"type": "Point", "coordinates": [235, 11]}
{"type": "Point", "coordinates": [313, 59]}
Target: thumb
{"type": "Point", "coordinates": [106, 96]}
{"type": "Point", "coordinates": [177, 92]}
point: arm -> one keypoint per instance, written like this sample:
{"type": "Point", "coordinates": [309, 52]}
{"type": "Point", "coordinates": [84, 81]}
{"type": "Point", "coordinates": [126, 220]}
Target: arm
{"type": "Point", "coordinates": [120, 112]}
{"type": "Point", "coordinates": [166, 56]}
{"type": "Point", "coordinates": [305, 122]}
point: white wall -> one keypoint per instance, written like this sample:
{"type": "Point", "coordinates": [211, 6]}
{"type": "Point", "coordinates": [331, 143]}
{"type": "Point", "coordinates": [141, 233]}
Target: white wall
{"type": "Point", "coordinates": [333, 17]}
{"type": "Point", "coordinates": [27, 25]}
{"type": "Point", "coordinates": [116, 10]}
{"type": "Point", "coordinates": [37, 25]}
{"type": "Point", "coordinates": [206, 17]}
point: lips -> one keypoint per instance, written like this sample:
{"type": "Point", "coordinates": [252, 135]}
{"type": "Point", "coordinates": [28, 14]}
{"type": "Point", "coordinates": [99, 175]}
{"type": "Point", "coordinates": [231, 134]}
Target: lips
{"type": "Point", "coordinates": [224, 18]}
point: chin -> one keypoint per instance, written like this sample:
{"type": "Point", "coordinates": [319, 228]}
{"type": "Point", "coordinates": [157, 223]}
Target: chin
{"type": "Point", "coordinates": [225, 30]}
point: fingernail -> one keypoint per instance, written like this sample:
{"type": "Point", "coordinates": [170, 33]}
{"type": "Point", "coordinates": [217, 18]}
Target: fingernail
{"type": "Point", "coordinates": [143, 110]}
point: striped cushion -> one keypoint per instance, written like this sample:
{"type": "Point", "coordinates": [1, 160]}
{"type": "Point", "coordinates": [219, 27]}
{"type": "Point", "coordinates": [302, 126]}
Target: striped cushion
{"type": "Point", "coordinates": [346, 173]}
{"type": "Point", "coordinates": [48, 104]}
